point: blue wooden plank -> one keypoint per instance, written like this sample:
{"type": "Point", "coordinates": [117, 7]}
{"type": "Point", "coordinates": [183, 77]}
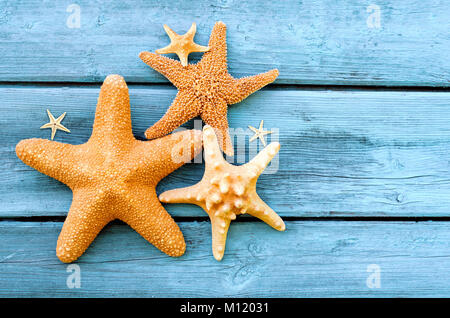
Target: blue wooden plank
{"type": "Point", "coordinates": [310, 259]}
{"type": "Point", "coordinates": [311, 42]}
{"type": "Point", "coordinates": [344, 153]}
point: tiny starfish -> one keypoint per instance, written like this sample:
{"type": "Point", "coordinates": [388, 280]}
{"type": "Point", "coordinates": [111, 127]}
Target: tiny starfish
{"type": "Point", "coordinates": [113, 175]}
{"type": "Point", "coordinates": [259, 133]}
{"type": "Point", "coordinates": [227, 190]}
{"type": "Point", "coordinates": [182, 45]}
{"type": "Point", "coordinates": [55, 124]}
{"type": "Point", "coordinates": [205, 89]}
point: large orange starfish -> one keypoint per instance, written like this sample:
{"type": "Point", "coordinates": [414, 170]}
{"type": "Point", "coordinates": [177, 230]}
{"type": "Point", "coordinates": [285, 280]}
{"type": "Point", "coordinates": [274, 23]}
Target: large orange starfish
{"type": "Point", "coordinates": [113, 176]}
{"type": "Point", "coordinates": [205, 89]}
{"type": "Point", "coordinates": [227, 190]}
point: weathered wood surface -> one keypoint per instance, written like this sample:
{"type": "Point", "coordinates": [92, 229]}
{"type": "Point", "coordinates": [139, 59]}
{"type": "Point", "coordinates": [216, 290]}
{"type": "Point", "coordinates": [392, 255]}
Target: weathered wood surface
{"type": "Point", "coordinates": [311, 42]}
{"type": "Point", "coordinates": [310, 259]}
{"type": "Point", "coordinates": [344, 153]}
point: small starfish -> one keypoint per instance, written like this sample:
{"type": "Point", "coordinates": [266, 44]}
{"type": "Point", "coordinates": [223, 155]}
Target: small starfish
{"type": "Point", "coordinates": [55, 124]}
{"type": "Point", "coordinates": [259, 133]}
{"type": "Point", "coordinates": [113, 175]}
{"type": "Point", "coordinates": [182, 45]}
{"type": "Point", "coordinates": [227, 190]}
{"type": "Point", "coordinates": [205, 89]}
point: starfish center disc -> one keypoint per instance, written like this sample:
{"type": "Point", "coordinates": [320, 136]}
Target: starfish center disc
{"type": "Point", "coordinates": [227, 195]}
{"type": "Point", "coordinates": [206, 87]}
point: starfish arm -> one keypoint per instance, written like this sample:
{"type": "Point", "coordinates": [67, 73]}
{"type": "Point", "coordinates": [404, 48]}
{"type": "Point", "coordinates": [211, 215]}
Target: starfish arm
{"type": "Point", "coordinates": [60, 118]}
{"type": "Point", "coordinates": [183, 56]}
{"type": "Point", "coordinates": [263, 158]}
{"type": "Point", "coordinates": [211, 145]}
{"type": "Point", "coordinates": [170, 68]}
{"type": "Point", "coordinates": [199, 48]}
{"type": "Point", "coordinates": [61, 127]}
{"type": "Point", "coordinates": [219, 225]}
{"type": "Point", "coordinates": [47, 125]}
{"type": "Point", "coordinates": [171, 33]}
{"type": "Point", "coordinates": [215, 115]}
{"type": "Point", "coordinates": [86, 218]}
{"type": "Point", "coordinates": [253, 129]}
{"type": "Point", "coordinates": [253, 138]}
{"type": "Point", "coordinates": [194, 46]}
{"type": "Point", "coordinates": [184, 107]}
{"type": "Point", "coordinates": [147, 216]}
{"type": "Point", "coordinates": [52, 158]}
{"type": "Point", "coordinates": [191, 32]}
{"type": "Point", "coordinates": [262, 211]}
{"type": "Point", "coordinates": [215, 60]}
{"type": "Point", "coordinates": [52, 119]}
{"type": "Point", "coordinates": [263, 141]}
{"type": "Point", "coordinates": [53, 132]}
{"type": "Point", "coordinates": [165, 50]}
{"type": "Point", "coordinates": [245, 86]}
{"type": "Point", "coordinates": [219, 229]}
{"type": "Point", "coordinates": [113, 117]}
{"type": "Point", "coordinates": [181, 195]}
{"type": "Point", "coordinates": [155, 159]}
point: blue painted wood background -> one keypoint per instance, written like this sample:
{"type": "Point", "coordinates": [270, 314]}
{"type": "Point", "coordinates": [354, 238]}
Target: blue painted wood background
{"type": "Point", "coordinates": [363, 115]}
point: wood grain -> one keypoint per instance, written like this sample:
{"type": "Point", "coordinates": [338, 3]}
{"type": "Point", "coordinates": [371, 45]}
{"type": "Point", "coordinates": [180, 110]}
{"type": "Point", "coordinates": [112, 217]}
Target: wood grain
{"type": "Point", "coordinates": [344, 153]}
{"type": "Point", "coordinates": [311, 42]}
{"type": "Point", "coordinates": [310, 259]}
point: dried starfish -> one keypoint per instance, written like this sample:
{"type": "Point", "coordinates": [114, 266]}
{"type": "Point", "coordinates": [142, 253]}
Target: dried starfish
{"type": "Point", "coordinates": [55, 124]}
{"type": "Point", "coordinates": [182, 45]}
{"type": "Point", "coordinates": [113, 175]}
{"type": "Point", "coordinates": [259, 133]}
{"type": "Point", "coordinates": [226, 190]}
{"type": "Point", "coordinates": [205, 89]}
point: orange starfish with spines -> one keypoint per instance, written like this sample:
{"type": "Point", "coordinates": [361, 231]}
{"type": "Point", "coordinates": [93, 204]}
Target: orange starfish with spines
{"type": "Point", "coordinates": [113, 175]}
{"type": "Point", "coordinates": [227, 190]}
{"type": "Point", "coordinates": [205, 89]}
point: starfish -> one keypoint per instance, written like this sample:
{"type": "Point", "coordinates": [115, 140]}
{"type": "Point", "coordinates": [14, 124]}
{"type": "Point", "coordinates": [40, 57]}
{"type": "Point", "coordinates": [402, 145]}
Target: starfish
{"type": "Point", "coordinates": [205, 89]}
{"type": "Point", "coordinates": [259, 133]}
{"type": "Point", "coordinates": [227, 190]}
{"type": "Point", "coordinates": [113, 175]}
{"type": "Point", "coordinates": [182, 45]}
{"type": "Point", "coordinates": [55, 124]}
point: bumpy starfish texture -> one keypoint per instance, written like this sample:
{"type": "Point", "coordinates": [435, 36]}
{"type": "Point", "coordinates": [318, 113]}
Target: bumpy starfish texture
{"type": "Point", "coordinates": [113, 176]}
{"type": "Point", "coordinates": [182, 45]}
{"type": "Point", "coordinates": [227, 190]}
{"type": "Point", "coordinates": [205, 89]}
{"type": "Point", "coordinates": [55, 124]}
{"type": "Point", "coordinates": [259, 133]}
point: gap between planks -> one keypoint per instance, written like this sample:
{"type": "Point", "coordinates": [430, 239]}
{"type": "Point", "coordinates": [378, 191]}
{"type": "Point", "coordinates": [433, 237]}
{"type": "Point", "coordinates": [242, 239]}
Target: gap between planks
{"type": "Point", "coordinates": [274, 86]}
{"type": "Point", "coordinates": [246, 219]}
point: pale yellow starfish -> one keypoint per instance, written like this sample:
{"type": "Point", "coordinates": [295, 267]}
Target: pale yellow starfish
{"type": "Point", "coordinates": [259, 133]}
{"type": "Point", "coordinates": [182, 45]}
{"type": "Point", "coordinates": [55, 124]}
{"type": "Point", "coordinates": [227, 190]}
